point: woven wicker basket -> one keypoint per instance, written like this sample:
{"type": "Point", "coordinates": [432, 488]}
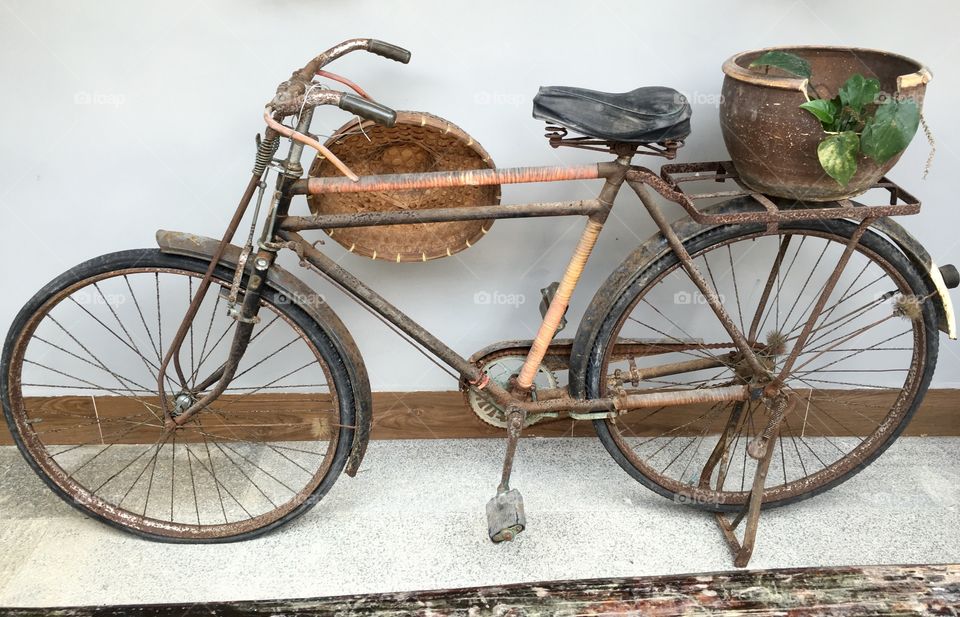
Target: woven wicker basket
{"type": "Point", "coordinates": [418, 142]}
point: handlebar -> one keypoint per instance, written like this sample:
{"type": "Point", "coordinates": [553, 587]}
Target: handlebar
{"type": "Point", "coordinates": [295, 94]}
{"type": "Point", "coordinates": [298, 84]}
{"type": "Point", "coordinates": [391, 52]}
{"type": "Point", "coordinates": [381, 114]}
{"type": "Point", "coordinates": [371, 110]}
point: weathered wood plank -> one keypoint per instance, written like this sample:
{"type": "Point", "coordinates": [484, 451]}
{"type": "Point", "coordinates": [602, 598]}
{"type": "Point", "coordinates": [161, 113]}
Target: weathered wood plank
{"type": "Point", "coordinates": [847, 591]}
{"type": "Point", "coordinates": [432, 415]}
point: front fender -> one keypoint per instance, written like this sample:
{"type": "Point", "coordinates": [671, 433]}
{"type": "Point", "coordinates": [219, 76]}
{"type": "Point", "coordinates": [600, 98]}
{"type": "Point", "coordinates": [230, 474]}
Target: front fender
{"type": "Point", "coordinates": [201, 247]}
{"type": "Point", "coordinates": [687, 229]}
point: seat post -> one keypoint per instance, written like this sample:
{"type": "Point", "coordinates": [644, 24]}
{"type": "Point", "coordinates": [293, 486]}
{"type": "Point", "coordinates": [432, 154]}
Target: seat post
{"type": "Point", "coordinates": [561, 299]}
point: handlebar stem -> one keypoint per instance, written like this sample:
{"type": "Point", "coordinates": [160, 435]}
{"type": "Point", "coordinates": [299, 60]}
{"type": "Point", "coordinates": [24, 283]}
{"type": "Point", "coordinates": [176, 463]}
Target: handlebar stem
{"type": "Point", "coordinates": [296, 147]}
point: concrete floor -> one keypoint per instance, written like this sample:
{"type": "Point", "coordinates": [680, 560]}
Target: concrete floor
{"type": "Point", "coordinates": [413, 519]}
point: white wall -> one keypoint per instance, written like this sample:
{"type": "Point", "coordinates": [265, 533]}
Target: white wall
{"type": "Point", "coordinates": [122, 117]}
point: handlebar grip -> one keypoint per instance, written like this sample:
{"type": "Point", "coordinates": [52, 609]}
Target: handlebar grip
{"type": "Point", "coordinates": [388, 50]}
{"type": "Point", "coordinates": [381, 114]}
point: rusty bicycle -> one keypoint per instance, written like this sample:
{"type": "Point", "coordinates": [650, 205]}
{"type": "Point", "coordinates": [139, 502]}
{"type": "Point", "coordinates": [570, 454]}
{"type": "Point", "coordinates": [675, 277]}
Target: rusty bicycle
{"type": "Point", "coordinates": [753, 353]}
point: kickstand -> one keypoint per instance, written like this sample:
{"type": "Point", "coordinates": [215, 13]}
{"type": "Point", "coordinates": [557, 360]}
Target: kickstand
{"type": "Point", "coordinates": [760, 449]}
{"type": "Point", "coordinates": [743, 549]}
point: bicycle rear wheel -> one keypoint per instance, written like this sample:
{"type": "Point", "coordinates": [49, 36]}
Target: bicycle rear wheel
{"type": "Point", "coordinates": [80, 396]}
{"type": "Point", "coordinates": [858, 380]}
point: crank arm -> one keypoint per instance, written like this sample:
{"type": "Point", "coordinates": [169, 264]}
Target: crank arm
{"type": "Point", "coordinates": [515, 425]}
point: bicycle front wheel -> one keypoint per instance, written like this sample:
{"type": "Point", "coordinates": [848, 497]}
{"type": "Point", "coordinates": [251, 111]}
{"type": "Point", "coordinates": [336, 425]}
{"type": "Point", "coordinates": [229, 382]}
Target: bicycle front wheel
{"type": "Point", "coordinates": [80, 395]}
{"type": "Point", "coordinates": [858, 379]}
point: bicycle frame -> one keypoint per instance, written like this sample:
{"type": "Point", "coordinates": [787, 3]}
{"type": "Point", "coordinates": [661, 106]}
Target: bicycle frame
{"type": "Point", "coordinates": [282, 231]}
{"type": "Point", "coordinates": [596, 212]}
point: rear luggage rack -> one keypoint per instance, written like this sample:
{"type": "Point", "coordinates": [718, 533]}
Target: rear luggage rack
{"type": "Point", "coordinates": [672, 177]}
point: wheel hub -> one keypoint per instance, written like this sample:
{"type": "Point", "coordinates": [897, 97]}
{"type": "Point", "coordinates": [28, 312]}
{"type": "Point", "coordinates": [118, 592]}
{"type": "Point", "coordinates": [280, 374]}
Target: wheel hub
{"type": "Point", "coordinates": [181, 403]}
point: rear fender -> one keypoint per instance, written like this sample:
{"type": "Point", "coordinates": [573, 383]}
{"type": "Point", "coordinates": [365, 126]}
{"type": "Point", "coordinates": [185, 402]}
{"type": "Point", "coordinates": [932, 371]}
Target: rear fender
{"type": "Point", "coordinates": [912, 248]}
{"type": "Point", "coordinates": [201, 247]}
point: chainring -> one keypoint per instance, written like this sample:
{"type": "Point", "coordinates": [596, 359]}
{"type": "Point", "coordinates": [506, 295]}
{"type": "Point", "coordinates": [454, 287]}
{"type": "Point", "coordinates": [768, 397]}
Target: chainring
{"type": "Point", "coordinates": [500, 367]}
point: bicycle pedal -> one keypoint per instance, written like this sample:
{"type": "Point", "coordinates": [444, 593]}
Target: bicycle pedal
{"type": "Point", "coordinates": [505, 517]}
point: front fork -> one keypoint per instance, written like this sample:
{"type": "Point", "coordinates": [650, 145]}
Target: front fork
{"type": "Point", "coordinates": [247, 316]}
{"type": "Point", "coordinates": [186, 404]}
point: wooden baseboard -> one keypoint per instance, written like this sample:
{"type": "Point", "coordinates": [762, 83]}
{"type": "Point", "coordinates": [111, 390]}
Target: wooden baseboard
{"type": "Point", "coordinates": [444, 415]}
{"type": "Point", "coordinates": [435, 415]}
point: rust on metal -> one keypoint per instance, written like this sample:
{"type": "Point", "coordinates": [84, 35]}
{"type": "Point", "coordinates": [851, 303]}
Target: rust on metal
{"type": "Point", "coordinates": [173, 352]}
{"type": "Point", "coordinates": [751, 364]}
{"type": "Point", "coordinates": [629, 402]}
{"type": "Point", "coordinates": [191, 245]}
{"type": "Point", "coordinates": [557, 137]}
{"type": "Point", "coordinates": [615, 175]}
{"type": "Point", "coordinates": [289, 90]}
{"type": "Point", "coordinates": [817, 310]}
{"type": "Point", "coordinates": [636, 374]}
{"type": "Point", "coordinates": [310, 141]}
{"type": "Point", "coordinates": [709, 293]}
{"type": "Point", "coordinates": [584, 207]}
{"type": "Point", "coordinates": [901, 203]}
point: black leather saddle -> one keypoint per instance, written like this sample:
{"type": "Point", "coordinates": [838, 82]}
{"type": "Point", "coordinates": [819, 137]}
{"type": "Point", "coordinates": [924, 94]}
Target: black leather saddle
{"type": "Point", "coordinates": [647, 115]}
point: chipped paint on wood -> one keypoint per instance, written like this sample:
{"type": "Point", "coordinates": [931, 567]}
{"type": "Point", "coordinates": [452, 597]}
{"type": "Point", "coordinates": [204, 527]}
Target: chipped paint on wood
{"type": "Point", "coordinates": [848, 591]}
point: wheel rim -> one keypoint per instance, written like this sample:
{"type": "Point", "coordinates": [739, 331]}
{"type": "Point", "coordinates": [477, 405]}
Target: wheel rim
{"type": "Point", "coordinates": [841, 420]}
{"type": "Point", "coordinates": [82, 397]}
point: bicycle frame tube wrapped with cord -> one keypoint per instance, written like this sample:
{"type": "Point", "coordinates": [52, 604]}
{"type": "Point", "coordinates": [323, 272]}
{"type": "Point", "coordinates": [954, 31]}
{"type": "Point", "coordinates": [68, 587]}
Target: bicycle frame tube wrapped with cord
{"type": "Point", "coordinates": [418, 142]}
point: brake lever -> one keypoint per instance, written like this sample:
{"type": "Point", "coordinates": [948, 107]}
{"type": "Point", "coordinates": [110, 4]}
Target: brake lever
{"type": "Point", "coordinates": [346, 82]}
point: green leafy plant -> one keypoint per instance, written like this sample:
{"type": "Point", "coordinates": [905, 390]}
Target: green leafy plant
{"type": "Point", "coordinates": [855, 121]}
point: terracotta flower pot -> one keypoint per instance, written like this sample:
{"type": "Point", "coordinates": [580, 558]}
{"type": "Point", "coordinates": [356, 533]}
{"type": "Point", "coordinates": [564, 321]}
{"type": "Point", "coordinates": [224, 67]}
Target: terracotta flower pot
{"type": "Point", "coordinates": [773, 142]}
